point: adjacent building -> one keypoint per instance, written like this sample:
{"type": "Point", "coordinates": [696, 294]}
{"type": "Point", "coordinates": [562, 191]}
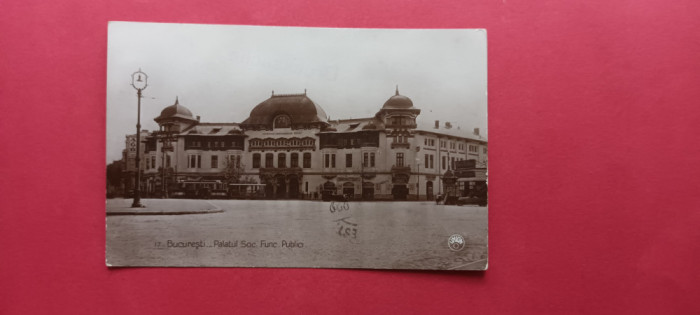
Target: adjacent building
{"type": "Point", "coordinates": [289, 145]}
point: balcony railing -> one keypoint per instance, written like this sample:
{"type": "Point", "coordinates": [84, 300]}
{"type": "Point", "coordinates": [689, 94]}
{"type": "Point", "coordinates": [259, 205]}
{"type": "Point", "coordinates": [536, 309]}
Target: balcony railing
{"type": "Point", "coordinates": [401, 169]}
{"type": "Point", "coordinates": [404, 145]}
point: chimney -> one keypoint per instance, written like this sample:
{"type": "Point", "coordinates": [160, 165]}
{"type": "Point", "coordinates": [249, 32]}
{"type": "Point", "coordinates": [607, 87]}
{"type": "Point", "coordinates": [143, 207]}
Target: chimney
{"type": "Point", "coordinates": [437, 124]}
{"type": "Point", "coordinates": [448, 125]}
{"type": "Point", "coordinates": [476, 131]}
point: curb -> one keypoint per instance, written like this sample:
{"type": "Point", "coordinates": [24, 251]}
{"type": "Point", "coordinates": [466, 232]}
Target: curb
{"type": "Point", "coordinates": [163, 212]}
{"type": "Point", "coordinates": [216, 209]}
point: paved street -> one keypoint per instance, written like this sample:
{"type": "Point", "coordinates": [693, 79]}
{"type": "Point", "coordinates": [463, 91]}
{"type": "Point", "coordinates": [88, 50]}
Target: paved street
{"type": "Point", "coordinates": [401, 235]}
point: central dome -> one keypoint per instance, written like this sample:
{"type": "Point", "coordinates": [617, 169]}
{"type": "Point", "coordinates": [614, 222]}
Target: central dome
{"type": "Point", "coordinates": [298, 107]}
{"type": "Point", "coordinates": [398, 101]}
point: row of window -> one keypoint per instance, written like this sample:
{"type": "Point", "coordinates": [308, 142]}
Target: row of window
{"type": "Point", "coordinates": [368, 160]}
{"type": "Point", "coordinates": [401, 139]}
{"type": "Point", "coordinates": [429, 161]}
{"type": "Point", "coordinates": [151, 162]}
{"type": "Point", "coordinates": [329, 160]}
{"type": "Point", "coordinates": [399, 121]}
{"type": "Point", "coordinates": [212, 144]}
{"type": "Point", "coordinates": [293, 142]}
{"type": "Point", "coordinates": [282, 160]}
{"type": "Point", "coordinates": [453, 145]}
{"type": "Point", "coordinates": [195, 161]}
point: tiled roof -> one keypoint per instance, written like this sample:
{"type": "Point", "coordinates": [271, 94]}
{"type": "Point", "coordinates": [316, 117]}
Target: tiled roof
{"type": "Point", "coordinates": [299, 107]}
{"type": "Point", "coordinates": [212, 129]}
{"type": "Point", "coordinates": [454, 131]}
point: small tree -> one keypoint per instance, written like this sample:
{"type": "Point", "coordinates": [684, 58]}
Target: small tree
{"type": "Point", "coordinates": [233, 170]}
{"type": "Point", "coordinates": [114, 177]}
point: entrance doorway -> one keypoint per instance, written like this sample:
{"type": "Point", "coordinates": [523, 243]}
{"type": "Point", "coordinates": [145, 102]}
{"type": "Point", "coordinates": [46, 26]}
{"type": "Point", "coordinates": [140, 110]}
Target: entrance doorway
{"type": "Point", "coordinates": [349, 190]}
{"type": "Point", "coordinates": [400, 192]}
{"type": "Point", "coordinates": [367, 191]}
{"type": "Point", "coordinates": [281, 192]}
{"type": "Point", "coordinates": [293, 187]}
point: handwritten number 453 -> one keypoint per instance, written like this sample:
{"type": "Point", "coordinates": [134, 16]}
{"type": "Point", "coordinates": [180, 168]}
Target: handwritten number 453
{"type": "Point", "coordinates": [347, 231]}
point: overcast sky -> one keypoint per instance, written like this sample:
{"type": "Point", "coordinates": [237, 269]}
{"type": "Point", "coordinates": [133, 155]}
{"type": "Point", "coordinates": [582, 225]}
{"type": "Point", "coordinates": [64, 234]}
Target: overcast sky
{"type": "Point", "coordinates": [220, 72]}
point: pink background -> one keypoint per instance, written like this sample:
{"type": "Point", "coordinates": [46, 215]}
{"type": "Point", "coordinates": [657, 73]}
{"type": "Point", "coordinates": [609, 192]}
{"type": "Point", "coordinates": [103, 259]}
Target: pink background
{"type": "Point", "coordinates": [594, 175]}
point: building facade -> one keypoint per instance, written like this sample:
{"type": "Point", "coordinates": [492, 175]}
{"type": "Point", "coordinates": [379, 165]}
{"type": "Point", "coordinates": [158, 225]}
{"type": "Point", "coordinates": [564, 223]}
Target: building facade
{"type": "Point", "coordinates": [289, 145]}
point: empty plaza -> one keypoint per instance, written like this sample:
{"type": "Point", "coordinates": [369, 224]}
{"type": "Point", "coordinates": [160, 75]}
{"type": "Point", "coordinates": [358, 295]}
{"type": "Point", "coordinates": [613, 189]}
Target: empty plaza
{"type": "Point", "coordinates": [294, 233]}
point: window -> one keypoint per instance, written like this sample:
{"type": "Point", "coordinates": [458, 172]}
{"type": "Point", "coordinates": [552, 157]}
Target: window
{"type": "Point", "coordinates": [214, 161]}
{"type": "Point", "coordinates": [432, 160]}
{"type": "Point", "coordinates": [365, 159]}
{"type": "Point", "coordinates": [153, 161]}
{"type": "Point", "coordinates": [294, 160]}
{"type": "Point", "coordinates": [282, 160]}
{"type": "Point", "coordinates": [427, 161]}
{"type": "Point", "coordinates": [307, 160]}
{"type": "Point", "coordinates": [194, 161]}
{"type": "Point", "coordinates": [443, 162]}
{"type": "Point", "coordinates": [371, 159]}
{"type": "Point", "coordinates": [348, 160]}
{"type": "Point", "coordinates": [329, 160]}
{"type": "Point", "coordinates": [282, 121]}
{"type": "Point", "coordinates": [485, 150]}
{"type": "Point", "coordinates": [256, 160]}
{"type": "Point", "coordinates": [236, 160]}
{"type": "Point", "coordinates": [306, 187]}
{"type": "Point", "coordinates": [269, 160]}
{"type": "Point", "coordinates": [452, 163]}
{"type": "Point", "coordinates": [399, 159]}
{"type": "Point", "coordinates": [473, 148]}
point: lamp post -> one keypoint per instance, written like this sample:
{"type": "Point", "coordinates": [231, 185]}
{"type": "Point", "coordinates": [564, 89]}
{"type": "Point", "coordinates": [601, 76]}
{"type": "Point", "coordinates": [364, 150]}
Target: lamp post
{"type": "Point", "coordinates": [139, 82]}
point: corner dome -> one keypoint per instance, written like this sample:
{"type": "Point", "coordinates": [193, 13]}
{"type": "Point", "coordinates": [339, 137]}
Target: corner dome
{"type": "Point", "coordinates": [298, 107]}
{"type": "Point", "coordinates": [398, 102]}
{"type": "Point", "coordinates": [175, 111]}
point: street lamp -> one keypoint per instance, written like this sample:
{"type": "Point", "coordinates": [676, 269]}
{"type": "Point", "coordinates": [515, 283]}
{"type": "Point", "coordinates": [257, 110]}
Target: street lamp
{"type": "Point", "coordinates": [139, 81]}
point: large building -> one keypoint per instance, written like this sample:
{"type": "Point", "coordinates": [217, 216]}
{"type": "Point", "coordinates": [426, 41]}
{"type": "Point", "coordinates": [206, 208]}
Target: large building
{"type": "Point", "coordinates": [289, 145]}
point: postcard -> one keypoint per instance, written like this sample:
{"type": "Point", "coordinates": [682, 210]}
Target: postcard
{"type": "Point", "coordinates": [259, 146]}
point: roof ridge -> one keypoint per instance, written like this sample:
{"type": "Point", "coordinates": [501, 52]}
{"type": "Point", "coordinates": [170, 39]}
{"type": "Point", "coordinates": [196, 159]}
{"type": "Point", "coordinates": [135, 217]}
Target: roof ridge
{"type": "Point", "coordinates": [355, 119]}
{"type": "Point", "coordinates": [218, 124]}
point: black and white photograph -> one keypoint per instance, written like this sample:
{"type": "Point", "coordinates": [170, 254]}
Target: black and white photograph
{"type": "Point", "coordinates": [294, 147]}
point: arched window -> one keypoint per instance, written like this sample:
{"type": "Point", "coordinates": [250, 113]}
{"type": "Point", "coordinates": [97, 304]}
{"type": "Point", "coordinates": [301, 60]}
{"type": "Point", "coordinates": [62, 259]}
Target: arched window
{"type": "Point", "coordinates": [294, 160]}
{"type": "Point", "coordinates": [282, 121]}
{"type": "Point", "coordinates": [269, 160]}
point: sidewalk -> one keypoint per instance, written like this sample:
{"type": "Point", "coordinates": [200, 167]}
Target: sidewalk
{"type": "Point", "coordinates": [119, 206]}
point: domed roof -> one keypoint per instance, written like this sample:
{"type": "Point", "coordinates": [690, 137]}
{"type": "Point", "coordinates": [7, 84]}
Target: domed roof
{"type": "Point", "coordinates": [175, 111]}
{"type": "Point", "coordinates": [398, 101]}
{"type": "Point", "coordinates": [298, 107]}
